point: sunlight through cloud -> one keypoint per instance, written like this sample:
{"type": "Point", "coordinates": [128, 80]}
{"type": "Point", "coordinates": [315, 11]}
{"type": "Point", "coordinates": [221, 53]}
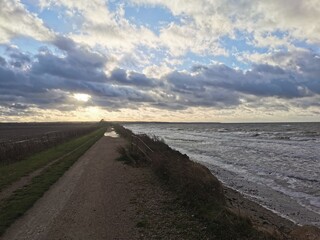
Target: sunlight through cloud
{"type": "Point", "coordinates": [82, 97]}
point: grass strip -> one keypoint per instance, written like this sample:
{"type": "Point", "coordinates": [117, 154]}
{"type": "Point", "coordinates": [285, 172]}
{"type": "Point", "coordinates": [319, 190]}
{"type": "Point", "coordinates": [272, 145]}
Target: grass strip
{"type": "Point", "coordinates": [12, 172]}
{"type": "Point", "coordinates": [23, 199]}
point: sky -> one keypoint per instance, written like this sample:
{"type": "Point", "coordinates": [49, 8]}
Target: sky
{"type": "Point", "coordinates": [160, 60]}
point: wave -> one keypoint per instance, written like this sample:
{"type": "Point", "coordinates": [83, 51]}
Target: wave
{"type": "Point", "coordinates": [183, 139]}
{"type": "Point", "coordinates": [276, 161]}
{"type": "Point", "coordinates": [304, 179]}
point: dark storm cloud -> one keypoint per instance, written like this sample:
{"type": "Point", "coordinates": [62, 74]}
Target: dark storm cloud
{"type": "Point", "coordinates": [18, 89]}
{"type": "Point", "coordinates": [49, 79]}
{"type": "Point", "coordinates": [265, 68]}
{"type": "Point", "coordinates": [64, 43]}
{"type": "Point", "coordinates": [17, 58]}
{"type": "Point", "coordinates": [185, 83]}
{"type": "Point", "coordinates": [222, 86]}
{"type": "Point", "coordinates": [121, 93]}
{"type": "Point", "coordinates": [2, 61]}
{"type": "Point", "coordinates": [169, 105]}
{"type": "Point", "coordinates": [121, 76]}
{"type": "Point", "coordinates": [263, 80]}
{"type": "Point", "coordinates": [17, 106]}
{"type": "Point", "coordinates": [68, 68]}
{"type": "Point", "coordinates": [309, 64]}
{"type": "Point", "coordinates": [17, 83]}
{"type": "Point", "coordinates": [304, 66]}
{"type": "Point", "coordinates": [79, 63]}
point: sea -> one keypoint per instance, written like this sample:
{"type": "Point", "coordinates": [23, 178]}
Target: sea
{"type": "Point", "coordinates": [274, 164]}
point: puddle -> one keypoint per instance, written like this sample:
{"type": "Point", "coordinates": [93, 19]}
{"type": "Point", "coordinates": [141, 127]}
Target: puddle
{"type": "Point", "coordinates": [112, 134]}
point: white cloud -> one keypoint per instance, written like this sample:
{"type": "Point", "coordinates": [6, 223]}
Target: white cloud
{"type": "Point", "coordinates": [202, 23]}
{"type": "Point", "coordinates": [284, 59]}
{"type": "Point", "coordinates": [216, 18]}
{"type": "Point", "coordinates": [297, 17]}
{"type": "Point", "coordinates": [156, 71]}
{"type": "Point", "coordinates": [271, 41]}
{"type": "Point", "coordinates": [101, 27]}
{"type": "Point", "coordinates": [188, 37]}
{"type": "Point", "coordinates": [17, 21]}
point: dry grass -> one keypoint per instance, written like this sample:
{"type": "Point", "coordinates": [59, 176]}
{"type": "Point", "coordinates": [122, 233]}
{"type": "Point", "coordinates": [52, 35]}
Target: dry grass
{"type": "Point", "coordinates": [194, 184]}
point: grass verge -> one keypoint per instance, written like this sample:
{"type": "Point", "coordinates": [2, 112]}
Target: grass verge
{"type": "Point", "coordinates": [13, 172]}
{"type": "Point", "coordinates": [23, 199]}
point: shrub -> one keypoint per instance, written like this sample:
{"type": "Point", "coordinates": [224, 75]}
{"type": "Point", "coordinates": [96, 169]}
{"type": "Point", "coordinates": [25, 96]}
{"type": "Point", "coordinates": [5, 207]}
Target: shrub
{"type": "Point", "coordinates": [194, 184]}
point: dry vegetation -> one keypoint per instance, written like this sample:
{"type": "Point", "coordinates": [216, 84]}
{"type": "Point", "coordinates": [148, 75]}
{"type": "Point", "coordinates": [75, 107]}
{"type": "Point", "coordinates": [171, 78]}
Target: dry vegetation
{"type": "Point", "coordinates": [194, 184]}
{"type": "Point", "coordinates": [201, 192]}
{"type": "Point", "coordinates": [23, 140]}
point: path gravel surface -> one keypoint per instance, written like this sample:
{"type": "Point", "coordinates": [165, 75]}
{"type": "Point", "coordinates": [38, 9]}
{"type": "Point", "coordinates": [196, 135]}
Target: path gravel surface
{"type": "Point", "coordinates": [26, 180]}
{"type": "Point", "coordinates": [91, 201]}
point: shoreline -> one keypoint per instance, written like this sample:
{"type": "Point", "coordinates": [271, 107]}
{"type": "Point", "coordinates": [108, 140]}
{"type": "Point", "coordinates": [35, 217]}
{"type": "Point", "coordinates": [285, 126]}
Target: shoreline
{"type": "Point", "coordinates": [262, 219]}
{"type": "Point", "coordinates": [248, 197]}
{"type": "Point", "coordinates": [258, 214]}
{"type": "Point", "coordinates": [255, 171]}
{"type": "Point", "coordinates": [294, 212]}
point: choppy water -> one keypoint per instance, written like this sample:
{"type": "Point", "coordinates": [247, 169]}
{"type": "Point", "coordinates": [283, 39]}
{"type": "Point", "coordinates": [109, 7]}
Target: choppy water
{"type": "Point", "coordinates": [276, 165]}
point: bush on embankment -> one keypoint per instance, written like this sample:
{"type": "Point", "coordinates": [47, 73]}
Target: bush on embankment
{"type": "Point", "coordinates": [191, 180]}
{"type": "Point", "coordinates": [194, 183]}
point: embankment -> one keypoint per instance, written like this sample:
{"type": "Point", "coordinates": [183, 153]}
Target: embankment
{"type": "Point", "coordinates": [226, 213]}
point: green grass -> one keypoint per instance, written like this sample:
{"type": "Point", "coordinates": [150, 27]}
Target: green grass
{"type": "Point", "coordinates": [23, 199]}
{"type": "Point", "coordinates": [13, 172]}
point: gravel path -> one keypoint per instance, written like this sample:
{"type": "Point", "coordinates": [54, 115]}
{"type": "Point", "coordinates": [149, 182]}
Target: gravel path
{"type": "Point", "coordinates": [26, 180]}
{"type": "Point", "coordinates": [91, 201]}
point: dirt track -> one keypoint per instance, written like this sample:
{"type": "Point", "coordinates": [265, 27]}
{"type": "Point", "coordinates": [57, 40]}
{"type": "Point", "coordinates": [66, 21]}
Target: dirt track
{"type": "Point", "coordinates": [91, 201]}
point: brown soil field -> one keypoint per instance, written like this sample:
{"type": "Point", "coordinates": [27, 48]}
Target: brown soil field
{"type": "Point", "coordinates": [17, 131]}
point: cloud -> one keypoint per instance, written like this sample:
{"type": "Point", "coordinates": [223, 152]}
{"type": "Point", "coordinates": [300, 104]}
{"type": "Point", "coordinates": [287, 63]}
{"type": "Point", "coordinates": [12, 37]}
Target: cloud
{"type": "Point", "coordinates": [3, 62]}
{"type": "Point", "coordinates": [52, 77]}
{"type": "Point", "coordinates": [16, 21]}
{"type": "Point", "coordinates": [79, 63]}
{"type": "Point", "coordinates": [122, 65]}
{"type": "Point", "coordinates": [272, 24]}
{"type": "Point", "coordinates": [124, 77]}
{"type": "Point", "coordinates": [100, 27]}
{"type": "Point", "coordinates": [262, 80]}
{"type": "Point", "coordinates": [18, 59]}
{"type": "Point", "coordinates": [181, 39]}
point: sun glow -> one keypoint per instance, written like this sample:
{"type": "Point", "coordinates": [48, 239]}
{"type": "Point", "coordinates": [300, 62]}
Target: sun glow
{"type": "Point", "coordinates": [82, 97]}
